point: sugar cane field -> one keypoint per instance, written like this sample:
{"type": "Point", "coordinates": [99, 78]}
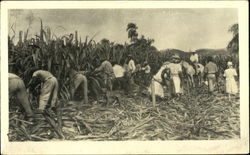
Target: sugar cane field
{"type": "Point", "coordinates": [193, 115]}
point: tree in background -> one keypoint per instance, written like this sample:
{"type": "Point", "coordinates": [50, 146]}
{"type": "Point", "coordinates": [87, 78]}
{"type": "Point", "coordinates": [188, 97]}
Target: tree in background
{"type": "Point", "coordinates": [233, 45]}
{"type": "Point", "coordinates": [132, 33]}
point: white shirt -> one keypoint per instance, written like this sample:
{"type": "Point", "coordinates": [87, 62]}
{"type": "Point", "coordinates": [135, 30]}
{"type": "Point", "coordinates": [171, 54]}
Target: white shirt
{"type": "Point", "coordinates": [230, 73]}
{"type": "Point", "coordinates": [194, 58]}
{"type": "Point", "coordinates": [146, 69]}
{"type": "Point", "coordinates": [175, 68]}
{"type": "Point", "coordinates": [118, 71]}
{"type": "Point", "coordinates": [131, 66]}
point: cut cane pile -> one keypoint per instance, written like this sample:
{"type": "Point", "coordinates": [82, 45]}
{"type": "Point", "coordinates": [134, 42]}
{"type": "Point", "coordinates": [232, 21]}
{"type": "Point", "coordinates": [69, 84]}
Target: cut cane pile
{"type": "Point", "coordinates": [196, 116]}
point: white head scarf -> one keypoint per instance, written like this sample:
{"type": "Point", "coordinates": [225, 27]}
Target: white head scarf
{"type": "Point", "coordinates": [229, 63]}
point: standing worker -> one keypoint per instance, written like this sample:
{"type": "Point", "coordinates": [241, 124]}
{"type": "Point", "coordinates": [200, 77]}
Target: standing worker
{"type": "Point", "coordinates": [211, 74]}
{"type": "Point", "coordinates": [17, 88]}
{"type": "Point", "coordinates": [78, 82]}
{"type": "Point", "coordinates": [146, 68]}
{"type": "Point", "coordinates": [194, 58]}
{"type": "Point", "coordinates": [131, 68]}
{"type": "Point", "coordinates": [49, 89]}
{"type": "Point", "coordinates": [107, 74]}
{"type": "Point", "coordinates": [230, 74]}
{"type": "Point", "coordinates": [175, 75]}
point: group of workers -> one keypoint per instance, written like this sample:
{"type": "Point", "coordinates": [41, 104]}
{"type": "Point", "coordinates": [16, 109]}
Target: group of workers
{"type": "Point", "coordinates": [109, 73]}
{"type": "Point", "coordinates": [170, 75]}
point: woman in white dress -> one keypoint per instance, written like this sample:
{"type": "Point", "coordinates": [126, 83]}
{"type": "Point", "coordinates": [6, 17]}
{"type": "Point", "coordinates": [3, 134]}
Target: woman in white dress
{"type": "Point", "coordinates": [230, 74]}
{"type": "Point", "coordinates": [176, 74]}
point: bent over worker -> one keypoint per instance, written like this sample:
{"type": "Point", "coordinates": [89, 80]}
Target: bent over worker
{"type": "Point", "coordinates": [17, 88]}
{"type": "Point", "coordinates": [78, 81]}
{"type": "Point", "coordinates": [49, 89]}
{"type": "Point", "coordinates": [107, 74]}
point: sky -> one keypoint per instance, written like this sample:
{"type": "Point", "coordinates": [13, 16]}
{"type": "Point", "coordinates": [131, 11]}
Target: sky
{"type": "Point", "coordinates": [184, 29]}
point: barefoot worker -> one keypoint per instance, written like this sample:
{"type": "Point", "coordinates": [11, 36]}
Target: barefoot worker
{"type": "Point", "coordinates": [17, 88]}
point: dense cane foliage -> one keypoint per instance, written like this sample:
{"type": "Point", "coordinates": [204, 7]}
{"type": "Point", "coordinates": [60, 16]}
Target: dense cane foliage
{"type": "Point", "coordinates": [57, 54]}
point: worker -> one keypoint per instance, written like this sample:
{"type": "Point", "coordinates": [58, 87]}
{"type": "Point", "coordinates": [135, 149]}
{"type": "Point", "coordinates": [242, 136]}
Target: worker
{"type": "Point", "coordinates": [131, 64]}
{"type": "Point", "coordinates": [230, 74]}
{"type": "Point", "coordinates": [130, 70]}
{"type": "Point", "coordinates": [194, 58]}
{"type": "Point", "coordinates": [158, 82]}
{"type": "Point", "coordinates": [18, 89]}
{"type": "Point", "coordinates": [119, 75]}
{"type": "Point", "coordinates": [78, 82]}
{"type": "Point", "coordinates": [49, 89]}
{"type": "Point", "coordinates": [211, 74]}
{"type": "Point", "coordinates": [175, 76]}
{"type": "Point", "coordinates": [107, 74]}
{"type": "Point", "coordinates": [146, 68]}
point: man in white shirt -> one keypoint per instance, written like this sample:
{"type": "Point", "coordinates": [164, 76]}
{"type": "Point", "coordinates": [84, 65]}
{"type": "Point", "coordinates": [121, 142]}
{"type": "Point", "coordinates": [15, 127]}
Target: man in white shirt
{"type": "Point", "coordinates": [146, 68]}
{"type": "Point", "coordinates": [131, 64]}
{"type": "Point", "coordinates": [129, 74]}
{"type": "Point", "coordinates": [194, 58]}
{"type": "Point", "coordinates": [119, 72]}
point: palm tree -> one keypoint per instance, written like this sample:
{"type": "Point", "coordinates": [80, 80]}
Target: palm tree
{"type": "Point", "coordinates": [233, 45]}
{"type": "Point", "coordinates": [132, 33]}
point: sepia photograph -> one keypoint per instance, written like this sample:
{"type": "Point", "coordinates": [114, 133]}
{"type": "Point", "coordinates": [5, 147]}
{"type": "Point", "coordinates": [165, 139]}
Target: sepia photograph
{"type": "Point", "coordinates": [123, 74]}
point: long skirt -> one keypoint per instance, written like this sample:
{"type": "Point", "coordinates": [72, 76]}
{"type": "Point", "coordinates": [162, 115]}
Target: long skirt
{"type": "Point", "coordinates": [176, 85]}
{"type": "Point", "coordinates": [231, 86]}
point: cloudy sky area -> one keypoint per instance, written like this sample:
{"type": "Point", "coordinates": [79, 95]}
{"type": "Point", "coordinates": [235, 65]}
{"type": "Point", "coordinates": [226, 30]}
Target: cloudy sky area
{"type": "Point", "coordinates": [182, 29]}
